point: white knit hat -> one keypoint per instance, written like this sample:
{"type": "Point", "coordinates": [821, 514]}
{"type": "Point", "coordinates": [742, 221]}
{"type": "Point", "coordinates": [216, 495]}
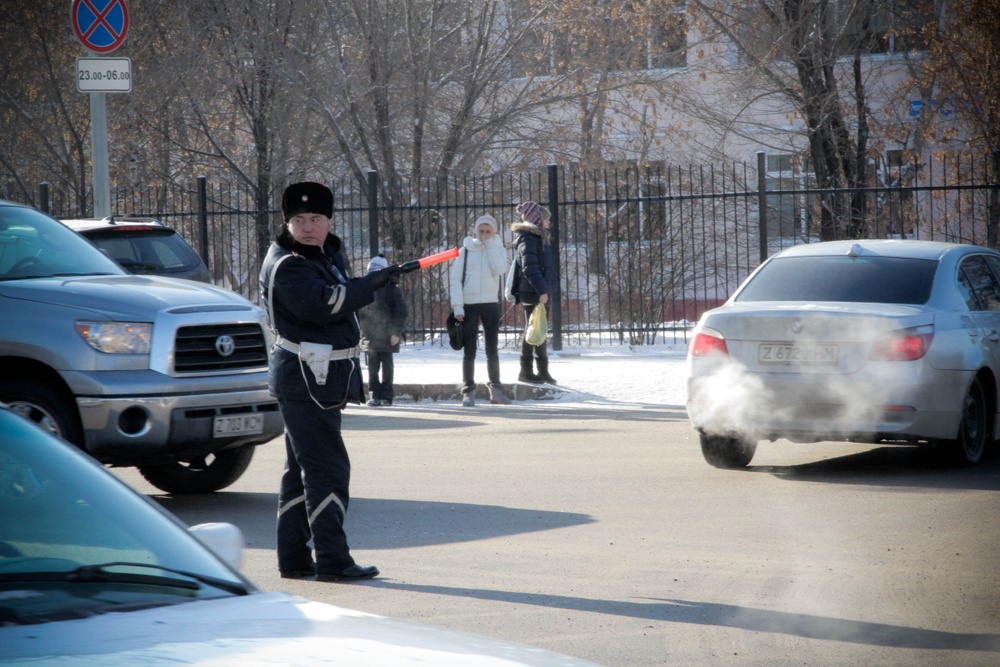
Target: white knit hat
{"type": "Point", "coordinates": [486, 220]}
{"type": "Point", "coordinates": [378, 262]}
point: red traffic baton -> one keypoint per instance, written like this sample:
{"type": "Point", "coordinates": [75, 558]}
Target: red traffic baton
{"type": "Point", "coordinates": [430, 260]}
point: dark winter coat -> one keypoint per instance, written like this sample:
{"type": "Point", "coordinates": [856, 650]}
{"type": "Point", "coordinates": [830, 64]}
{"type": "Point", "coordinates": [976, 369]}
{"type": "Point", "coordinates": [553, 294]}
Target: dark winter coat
{"type": "Point", "coordinates": [314, 301]}
{"type": "Point", "coordinates": [383, 319]}
{"type": "Point", "coordinates": [534, 273]}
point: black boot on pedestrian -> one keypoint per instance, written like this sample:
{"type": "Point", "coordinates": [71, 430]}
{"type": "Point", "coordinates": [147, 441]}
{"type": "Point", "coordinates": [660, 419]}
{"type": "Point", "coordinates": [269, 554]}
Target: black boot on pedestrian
{"type": "Point", "coordinates": [543, 372]}
{"type": "Point", "coordinates": [528, 375]}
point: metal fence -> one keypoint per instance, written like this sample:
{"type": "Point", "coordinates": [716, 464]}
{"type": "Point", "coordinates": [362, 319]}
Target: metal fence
{"type": "Point", "coordinates": [642, 251]}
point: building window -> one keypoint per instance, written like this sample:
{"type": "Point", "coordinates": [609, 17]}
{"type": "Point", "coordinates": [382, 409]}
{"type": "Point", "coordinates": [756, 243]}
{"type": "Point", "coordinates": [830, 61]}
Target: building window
{"type": "Point", "coordinates": [788, 216]}
{"type": "Point", "coordinates": [556, 43]}
{"type": "Point", "coordinates": [846, 27]}
{"type": "Point", "coordinates": [885, 27]}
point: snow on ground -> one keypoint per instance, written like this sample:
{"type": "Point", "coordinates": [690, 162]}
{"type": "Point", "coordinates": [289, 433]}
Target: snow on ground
{"type": "Point", "coordinates": [606, 374]}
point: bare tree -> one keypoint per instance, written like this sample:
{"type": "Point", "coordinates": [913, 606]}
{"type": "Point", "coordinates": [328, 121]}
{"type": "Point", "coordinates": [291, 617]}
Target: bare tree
{"type": "Point", "coordinates": [962, 71]}
{"type": "Point", "coordinates": [44, 119]}
{"type": "Point", "coordinates": [813, 55]}
{"type": "Point", "coordinates": [420, 90]}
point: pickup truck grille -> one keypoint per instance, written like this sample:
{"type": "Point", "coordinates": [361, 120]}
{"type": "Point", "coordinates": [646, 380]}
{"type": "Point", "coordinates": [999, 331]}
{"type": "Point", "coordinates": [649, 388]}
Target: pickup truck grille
{"type": "Point", "coordinates": [201, 349]}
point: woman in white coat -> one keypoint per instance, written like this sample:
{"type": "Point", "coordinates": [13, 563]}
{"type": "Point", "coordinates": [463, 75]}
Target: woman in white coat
{"type": "Point", "coordinates": [475, 297]}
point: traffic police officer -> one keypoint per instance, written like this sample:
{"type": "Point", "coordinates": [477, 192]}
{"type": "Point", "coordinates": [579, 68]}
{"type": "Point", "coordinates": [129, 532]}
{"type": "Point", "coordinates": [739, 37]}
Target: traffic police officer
{"type": "Point", "coordinates": [314, 371]}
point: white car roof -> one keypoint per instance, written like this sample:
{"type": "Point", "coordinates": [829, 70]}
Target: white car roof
{"type": "Point", "coordinates": [111, 221]}
{"type": "Point", "coordinates": [884, 247]}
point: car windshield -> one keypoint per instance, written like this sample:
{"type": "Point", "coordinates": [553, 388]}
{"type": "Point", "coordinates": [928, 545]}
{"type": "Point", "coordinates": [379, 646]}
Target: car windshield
{"type": "Point", "coordinates": [75, 541]}
{"type": "Point", "coordinates": [33, 245]}
{"type": "Point", "coordinates": [868, 279]}
{"type": "Point", "coordinates": [145, 250]}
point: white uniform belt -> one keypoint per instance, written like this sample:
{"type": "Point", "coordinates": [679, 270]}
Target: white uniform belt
{"type": "Point", "coordinates": [344, 353]}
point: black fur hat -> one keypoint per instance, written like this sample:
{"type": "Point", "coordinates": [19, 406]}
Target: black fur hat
{"type": "Point", "coordinates": [306, 197]}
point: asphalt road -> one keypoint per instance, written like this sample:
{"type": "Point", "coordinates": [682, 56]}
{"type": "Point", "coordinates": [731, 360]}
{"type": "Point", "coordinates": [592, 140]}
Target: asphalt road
{"type": "Point", "coordinates": [603, 534]}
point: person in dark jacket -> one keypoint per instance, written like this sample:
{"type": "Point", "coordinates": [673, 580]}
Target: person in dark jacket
{"type": "Point", "coordinates": [314, 371]}
{"type": "Point", "coordinates": [531, 283]}
{"type": "Point", "coordinates": [382, 325]}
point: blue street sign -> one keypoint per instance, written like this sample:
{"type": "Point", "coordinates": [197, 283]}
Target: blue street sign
{"type": "Point", "coordinates": [100, 25]}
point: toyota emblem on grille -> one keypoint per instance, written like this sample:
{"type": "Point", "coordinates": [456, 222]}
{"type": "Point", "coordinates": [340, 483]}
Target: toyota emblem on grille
{"type": "Point", "coordinates": [225, 345]}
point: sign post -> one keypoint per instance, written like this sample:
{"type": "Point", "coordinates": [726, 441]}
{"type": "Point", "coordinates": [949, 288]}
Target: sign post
{"type": "Point", "coordinates": [101, 26]}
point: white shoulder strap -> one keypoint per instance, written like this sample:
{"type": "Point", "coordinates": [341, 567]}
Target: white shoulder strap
{"type": "Point", "coordinates": [270, 293]}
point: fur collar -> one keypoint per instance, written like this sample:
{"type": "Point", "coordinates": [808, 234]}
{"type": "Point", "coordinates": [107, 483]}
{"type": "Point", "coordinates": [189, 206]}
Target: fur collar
{"type": "Point", "coordinates": [526, 227]}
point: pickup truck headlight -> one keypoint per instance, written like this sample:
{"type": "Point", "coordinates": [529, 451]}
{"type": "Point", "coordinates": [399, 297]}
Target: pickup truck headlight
{"type": "Point", "coordinates": [117, 337]}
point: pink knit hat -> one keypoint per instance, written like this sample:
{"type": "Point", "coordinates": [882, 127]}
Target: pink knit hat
{"type": "Point", "coordinates": [530, 212]}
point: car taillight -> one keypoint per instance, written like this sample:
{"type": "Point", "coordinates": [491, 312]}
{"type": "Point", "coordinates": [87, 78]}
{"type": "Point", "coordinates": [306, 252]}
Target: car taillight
{"type": "Point", "coordinates": [704, 345]}
{"type": "Point", "coordinates": [902, 345]}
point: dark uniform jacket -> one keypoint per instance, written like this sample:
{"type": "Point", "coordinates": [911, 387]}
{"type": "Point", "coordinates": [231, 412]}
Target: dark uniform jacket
{"type": "Point", "coordinates": [315, 301]}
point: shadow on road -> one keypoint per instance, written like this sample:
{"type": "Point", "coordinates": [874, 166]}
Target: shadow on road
{"type": "Point", "coordinates": [376, 523]}
{"type": "Point", "coordinates": [891, 466]}
{"type": "Point", "coordinates": [733, 616]}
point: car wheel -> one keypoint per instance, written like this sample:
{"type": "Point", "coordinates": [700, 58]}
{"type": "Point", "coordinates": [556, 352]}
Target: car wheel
{"type": "Point", "coordinates": [202, 475]}
{"type": "Point", "coordinates": [967, 449]}
{"type": "Point", "coordinates": [51, 409]}
{"type": "Point", "coordinates": [726, 451]}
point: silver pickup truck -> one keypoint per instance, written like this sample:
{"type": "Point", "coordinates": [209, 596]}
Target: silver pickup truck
{"type": "Point", "coordinates": [166, 375]}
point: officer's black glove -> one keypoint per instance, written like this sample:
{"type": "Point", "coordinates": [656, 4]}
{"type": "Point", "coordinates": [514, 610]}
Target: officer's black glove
{"type": "Point", "coordinates": [383, 277]}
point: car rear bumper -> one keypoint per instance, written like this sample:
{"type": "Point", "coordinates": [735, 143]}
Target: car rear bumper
{"type": "Point", "coordinates": [864, 407]}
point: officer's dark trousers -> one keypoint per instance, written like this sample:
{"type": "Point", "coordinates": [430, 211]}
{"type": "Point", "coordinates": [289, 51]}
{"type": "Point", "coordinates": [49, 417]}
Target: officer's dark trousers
{"type": "Point", "coordinates": [314, 493]}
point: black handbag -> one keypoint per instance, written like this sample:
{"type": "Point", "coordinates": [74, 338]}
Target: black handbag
{"type": "Point", "coordinates": [454, 331]}
{"type": "Point", "coordinates": [453, 326]}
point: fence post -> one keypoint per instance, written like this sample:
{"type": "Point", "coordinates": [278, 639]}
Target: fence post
{"type": "Point", "coordinates": [43, 197]}
{"type": "Point", "coordinates": [554, 229]}
{"type": "Point", "coordinates": [203, 220]}
{"type": "Point", "coordinates": [373, 212]}
{"type": "Point", "coordinates": [762, 205]}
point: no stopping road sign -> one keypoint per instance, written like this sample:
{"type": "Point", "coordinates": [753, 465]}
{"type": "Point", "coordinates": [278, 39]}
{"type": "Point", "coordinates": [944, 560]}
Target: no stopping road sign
{"type": "Point", "coordinates": [100, 25]}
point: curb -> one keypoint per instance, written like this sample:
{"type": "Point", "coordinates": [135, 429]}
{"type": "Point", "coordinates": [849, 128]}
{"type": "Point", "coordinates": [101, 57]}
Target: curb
{"type": "Point", "coordinates": [452, 392]}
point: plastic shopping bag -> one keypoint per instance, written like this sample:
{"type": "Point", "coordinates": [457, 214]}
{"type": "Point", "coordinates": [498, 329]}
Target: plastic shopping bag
{"type": "Point", "coordinates": [538, 325]}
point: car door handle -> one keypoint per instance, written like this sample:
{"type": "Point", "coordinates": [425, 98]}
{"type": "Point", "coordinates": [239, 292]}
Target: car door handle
{"type": "Point", "coordinates": [994, 336]}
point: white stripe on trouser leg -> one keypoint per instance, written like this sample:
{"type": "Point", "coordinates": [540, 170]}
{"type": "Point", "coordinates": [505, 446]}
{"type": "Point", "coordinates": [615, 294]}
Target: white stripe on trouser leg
{"type": "Point", "coordinates": [332, 498]}
{"type": "Point", "coordinates": [290, 504]}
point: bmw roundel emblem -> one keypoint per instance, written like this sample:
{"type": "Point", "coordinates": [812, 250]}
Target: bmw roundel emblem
{"type": "Point", "coordinates": [225, 345]}
{"type": "Point", "coordinates": [797, 326]}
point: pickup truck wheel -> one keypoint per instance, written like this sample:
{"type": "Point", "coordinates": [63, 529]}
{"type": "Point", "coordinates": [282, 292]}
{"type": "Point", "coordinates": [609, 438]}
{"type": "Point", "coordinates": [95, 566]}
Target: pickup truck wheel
{"type": "Point", "coordinates": [50, 408]}
{"type": "Point", "coordinates": [202, 475]}
{"type": "Point", "coordinates": [726, 451]}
